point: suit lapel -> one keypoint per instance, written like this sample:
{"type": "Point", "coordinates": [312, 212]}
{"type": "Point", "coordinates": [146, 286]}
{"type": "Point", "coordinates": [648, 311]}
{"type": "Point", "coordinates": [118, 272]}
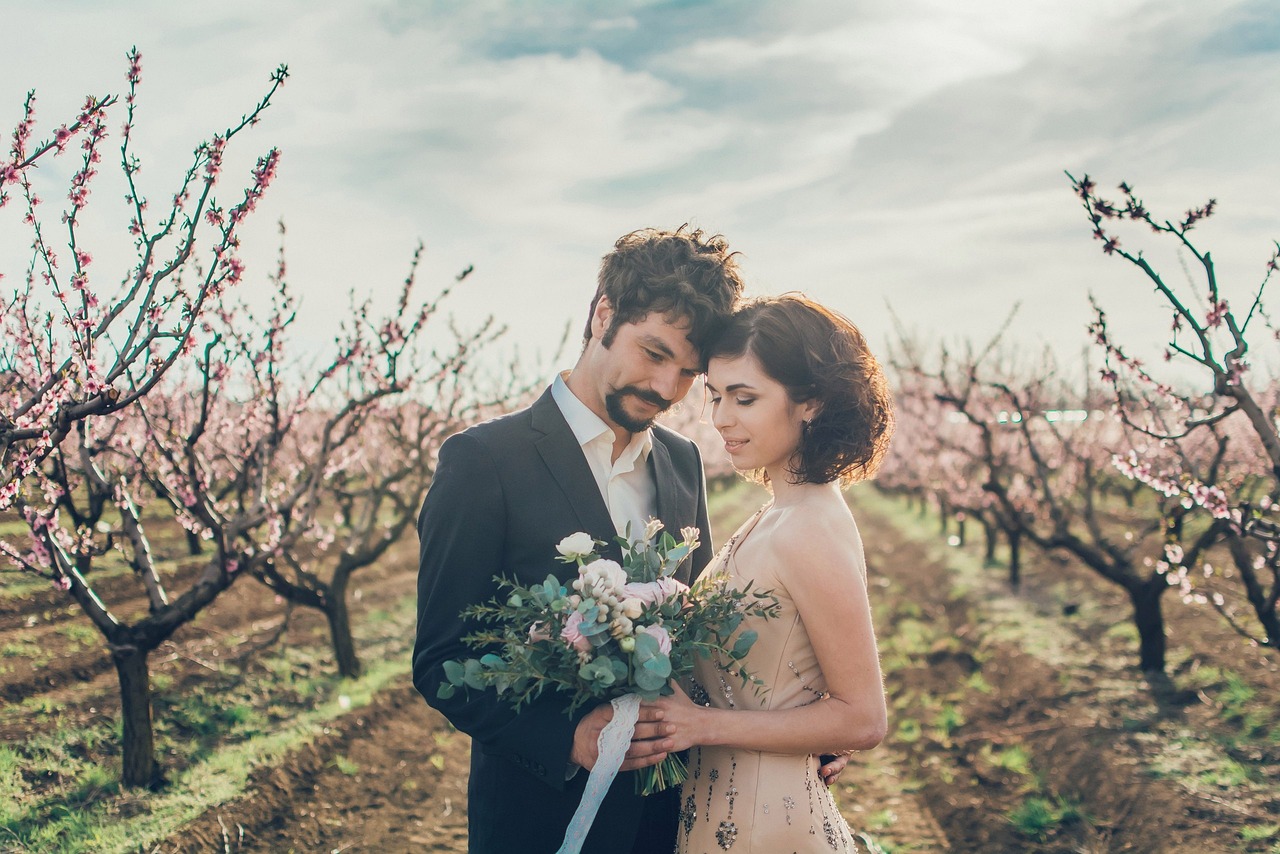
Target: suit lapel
{"type": "Point", "coordinates": [563, 456]}
{"type": "Point", "coordinates": [664, 479]}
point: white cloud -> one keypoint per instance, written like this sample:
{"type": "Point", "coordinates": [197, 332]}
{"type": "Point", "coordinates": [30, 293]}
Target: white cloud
{"type": "Point", "coordinates": [903, 149]}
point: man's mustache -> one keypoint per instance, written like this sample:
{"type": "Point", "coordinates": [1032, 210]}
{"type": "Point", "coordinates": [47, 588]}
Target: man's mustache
{"type": "Point", "coordinates": [645, 394]}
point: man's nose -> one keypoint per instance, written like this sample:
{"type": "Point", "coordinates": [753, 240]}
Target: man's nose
{"type": "Point", "coordinates": [667, 384]}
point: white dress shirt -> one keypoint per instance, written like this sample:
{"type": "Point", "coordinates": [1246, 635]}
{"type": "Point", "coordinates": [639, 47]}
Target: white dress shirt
{"type": "Point", "coordinates": [628, 490]}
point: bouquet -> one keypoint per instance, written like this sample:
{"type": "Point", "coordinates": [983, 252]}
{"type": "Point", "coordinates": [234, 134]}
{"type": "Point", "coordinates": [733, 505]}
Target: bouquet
{"type": "Point", "coordinates": [613, 630]}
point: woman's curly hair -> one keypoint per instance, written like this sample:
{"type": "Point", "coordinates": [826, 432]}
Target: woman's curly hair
{"type": "Point", "coordinates": [818, 355]}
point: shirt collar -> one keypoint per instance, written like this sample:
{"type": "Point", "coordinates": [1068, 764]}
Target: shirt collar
{"type": "Point", "coordinates": [588, 427]}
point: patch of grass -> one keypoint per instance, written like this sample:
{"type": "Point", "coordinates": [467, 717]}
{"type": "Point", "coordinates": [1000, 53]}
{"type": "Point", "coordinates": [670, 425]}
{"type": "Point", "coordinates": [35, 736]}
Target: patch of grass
{"type": "Point", "coordinates": [20, 649]}
{"type": "Point", "coordinates": [81, 635]}
{"type": "Point", "coordinates": [947, 721]}
{"type": "Point", "coordinates": [881, 820]}
{"type": "Point", "coordinates": [912, 637]}
{"type": "Point", "coordinates": [1125, 632]}
{"type": "Point", "coordinates": [1259, 832]}
{"type": "Point", "coordinates": [1014, 759]}
{"type": "Point", "coordinates": [977, 682]}
{"type": "Point", "coordinates": [909, 731]}
{"type": "Point", "coordinates": [871, 845]}
{"type": "Point", "coordinates": [1036, 816]}
{"type": "Point", "coordinates": [346, 766]}
{"type": "Point", "coordinates": [1226, 774]}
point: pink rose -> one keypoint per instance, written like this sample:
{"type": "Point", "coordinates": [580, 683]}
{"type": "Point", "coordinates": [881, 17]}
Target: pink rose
{"type": "Point", "coordinates": [659, 634]}
{"type": "Point", "coordinates": [652, 592]}
{"type": "Point", "coordinates": [572, 636]}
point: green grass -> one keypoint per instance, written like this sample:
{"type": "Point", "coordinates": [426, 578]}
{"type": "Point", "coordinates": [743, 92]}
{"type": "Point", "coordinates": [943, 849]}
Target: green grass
{"type": "Point", "coordinates": [1259, 832]}
{"type": "Point", "coordinates": [1037, 816]}
{"type": "Point", "coordinates": [950, 719]}
{"type": "Point", "coordinates": [81, 635]}
{"type": "Point", "coordinates": [1013, 759]}
{"type": "Point", "coordinates": [346, 766]}
{"type": "Point", "coordinates": [223, 729]}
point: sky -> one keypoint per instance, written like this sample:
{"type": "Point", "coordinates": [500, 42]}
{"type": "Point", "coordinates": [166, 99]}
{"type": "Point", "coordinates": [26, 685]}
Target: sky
{"type": "Point", "coordinates": [887, 157]}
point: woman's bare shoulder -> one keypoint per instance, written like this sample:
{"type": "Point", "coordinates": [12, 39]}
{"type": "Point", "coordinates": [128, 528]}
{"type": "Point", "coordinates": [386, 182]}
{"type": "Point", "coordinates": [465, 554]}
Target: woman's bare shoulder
{"type": "Point", "coordinates": [816, 533]}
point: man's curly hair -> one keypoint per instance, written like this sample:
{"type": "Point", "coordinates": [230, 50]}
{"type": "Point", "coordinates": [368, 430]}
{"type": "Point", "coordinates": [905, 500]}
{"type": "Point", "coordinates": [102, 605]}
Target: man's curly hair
{"type": "Point", "coordinates": [685, 275]}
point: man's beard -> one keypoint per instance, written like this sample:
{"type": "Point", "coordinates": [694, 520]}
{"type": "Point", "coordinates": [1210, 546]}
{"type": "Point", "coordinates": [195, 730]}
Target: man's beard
{"type": "Point", "coordinates": [620, 416]}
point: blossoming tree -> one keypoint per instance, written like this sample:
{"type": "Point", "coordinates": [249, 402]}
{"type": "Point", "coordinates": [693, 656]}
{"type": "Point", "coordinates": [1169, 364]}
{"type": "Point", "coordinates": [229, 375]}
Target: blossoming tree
{"type": "Point", "coordinates": [1213, 449]}
{"type": "Point", "coordinates": [76, 361]}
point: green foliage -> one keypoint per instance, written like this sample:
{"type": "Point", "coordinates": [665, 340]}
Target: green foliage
{"type": "Point", "coordinates": [346, 766]}
{"type": "Point", "coordinates": [1036, 816]}
{"type": "Point", "coordinates": [948, 720]}
{"type": "Point", "coordinates": [594, 640]}
{"type": "Point", "coordinates": [1259, 832]}
{"type": "Point", "coordinates": [909, 731]}
{"type": "Point", "coordinates": [80, 634]}
{"type": "Point", "coordinates": [1013, 759]}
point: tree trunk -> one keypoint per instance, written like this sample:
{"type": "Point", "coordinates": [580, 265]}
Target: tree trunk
{"type": "Point", "coordinates": [960, 526]}
{"type": "Point", "coordinates": [139, 766]}
{"type": "Point", "coordinates": [344, 646]}
{"type": "Point", "coordinates": [991, 538]}
{"type": "Point", "coordinates": [1015, 557]}
{"type": "Point", "coordinates": [1149, 620]}
{"type": "Point", "coordinates": [194, 546]}
{"type": "Point", "coordinates": [944, 510]}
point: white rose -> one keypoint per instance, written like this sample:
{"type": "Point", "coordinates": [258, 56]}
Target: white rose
{"type": "Point", "coordinates": [576, 545]}
{"type": "Point", "coordinates": [632, 608]}
{"type": "Point", "coordinates": [611, 575]}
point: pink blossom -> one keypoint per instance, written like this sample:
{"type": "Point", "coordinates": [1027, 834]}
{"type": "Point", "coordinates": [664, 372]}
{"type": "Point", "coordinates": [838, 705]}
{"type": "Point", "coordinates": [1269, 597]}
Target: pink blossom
{"type": "Point", "coordinates": [571, 634]}
{"type": "Point", "coordinates": [653, 592]}
{"type": "Point", "coordinates": [538, 632]}
{"type": "Point", "coordinates": [659, 633]}
{"type": "Point", "coordinates": [1216, 313]}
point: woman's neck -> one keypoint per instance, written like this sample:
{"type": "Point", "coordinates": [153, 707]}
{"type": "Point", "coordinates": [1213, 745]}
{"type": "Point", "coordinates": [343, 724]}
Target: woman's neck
{"type": "Point", "coordinates": [788, 494]}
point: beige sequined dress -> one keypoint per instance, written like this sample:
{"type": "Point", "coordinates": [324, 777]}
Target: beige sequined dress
{"type": "Point", "coordinates": [746, 801]}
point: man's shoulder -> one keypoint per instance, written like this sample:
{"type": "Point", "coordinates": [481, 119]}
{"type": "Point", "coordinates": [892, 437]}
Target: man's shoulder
{"type": "Point", "coordinates": [671, 437]}
{"type": "Point", "coordinates": [677, 444]}
{"type": "Point", "coordinates": [499, 432]}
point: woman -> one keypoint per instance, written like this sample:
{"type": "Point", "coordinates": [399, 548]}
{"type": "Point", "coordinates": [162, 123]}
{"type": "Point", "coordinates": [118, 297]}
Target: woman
{"type": "Point", "coordinates": [799, 400]}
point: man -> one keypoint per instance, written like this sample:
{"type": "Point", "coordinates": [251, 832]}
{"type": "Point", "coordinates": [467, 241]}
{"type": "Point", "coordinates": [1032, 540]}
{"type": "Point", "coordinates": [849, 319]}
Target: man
{"type": "Point", "coordinates": [585, 457]}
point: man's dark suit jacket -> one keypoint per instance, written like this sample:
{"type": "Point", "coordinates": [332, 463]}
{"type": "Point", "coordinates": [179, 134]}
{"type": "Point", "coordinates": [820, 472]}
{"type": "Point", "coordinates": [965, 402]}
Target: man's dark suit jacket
{"type": "Point", "coordinates": [504, 494]}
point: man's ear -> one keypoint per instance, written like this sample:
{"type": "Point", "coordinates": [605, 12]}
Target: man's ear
{"type": "Point", "coordinates": [601, 318]}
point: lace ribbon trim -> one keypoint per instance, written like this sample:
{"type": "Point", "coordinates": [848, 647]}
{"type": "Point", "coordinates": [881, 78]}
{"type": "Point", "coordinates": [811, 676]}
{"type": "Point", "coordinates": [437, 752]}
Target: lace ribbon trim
{"type": "Point", "coordinates": [612, 746]}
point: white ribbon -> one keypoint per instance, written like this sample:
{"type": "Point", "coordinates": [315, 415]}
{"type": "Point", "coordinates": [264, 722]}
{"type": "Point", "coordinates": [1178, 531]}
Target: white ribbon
{"type": "Point", "coordinates": [611, 747]}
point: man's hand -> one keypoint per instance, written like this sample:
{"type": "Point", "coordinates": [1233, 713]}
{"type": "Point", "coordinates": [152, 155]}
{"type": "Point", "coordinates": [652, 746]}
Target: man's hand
{"type": "Point", "coordinates": [649, 744]}
{"type": "Point", "coordinates": [831, 766]}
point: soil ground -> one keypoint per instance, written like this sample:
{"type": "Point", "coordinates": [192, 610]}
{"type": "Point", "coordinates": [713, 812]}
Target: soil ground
{"type": "Point", "coordinates": [1018, 721]}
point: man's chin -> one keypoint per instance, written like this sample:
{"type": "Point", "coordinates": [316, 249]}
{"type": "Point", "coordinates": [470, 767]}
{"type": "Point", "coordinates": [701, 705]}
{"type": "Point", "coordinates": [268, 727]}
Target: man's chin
{"type": "Point", "coordinates": [628, 420]}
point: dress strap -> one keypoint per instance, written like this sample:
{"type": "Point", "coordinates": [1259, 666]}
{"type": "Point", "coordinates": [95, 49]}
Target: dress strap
{"type": "Point", "coordinates": [747, 528]}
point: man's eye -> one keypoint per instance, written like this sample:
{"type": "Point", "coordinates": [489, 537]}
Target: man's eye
{"type": "Point", "coordinates": [656, 357]}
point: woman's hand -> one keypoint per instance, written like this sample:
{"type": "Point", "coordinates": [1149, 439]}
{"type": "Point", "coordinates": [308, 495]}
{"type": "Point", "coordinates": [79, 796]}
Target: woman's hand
{"type": "Point", "coordinates": [687, 723]}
